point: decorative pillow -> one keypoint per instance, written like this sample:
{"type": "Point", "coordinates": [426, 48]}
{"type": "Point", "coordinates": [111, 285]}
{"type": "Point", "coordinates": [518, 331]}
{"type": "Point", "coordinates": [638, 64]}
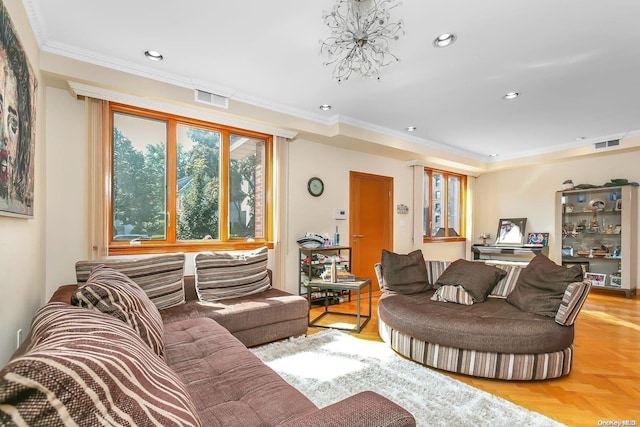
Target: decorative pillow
{"type": "Point", "coordinates": [476, 278]}
{"type": "Point", "coordinates": [161, 277]}
{"type": "Point", "coordinates": [224, 275]}
{"type": "Point", "coordinates": [572, 302]}
{"type": "Point", "coordinates": [404, 274]}
{"type": "Point", "coordinates": [113, 293]}
{"type": "Point", "coordinates": [448, 293]}
{"type": "Point", "coordinates": [435, 270]}
{"type": "Point", "coordinates": [541, 286]}
{"type": "Point", "coordinates": [505, 285]}
{"type": "Point", "coordinates": [87, 368]}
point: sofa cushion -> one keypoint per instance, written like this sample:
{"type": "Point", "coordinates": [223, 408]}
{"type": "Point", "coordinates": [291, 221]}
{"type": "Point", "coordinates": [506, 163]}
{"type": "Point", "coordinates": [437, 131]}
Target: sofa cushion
{"type": "Point", "coordinates": [404, 274]}
{"type": "Point", "coordinates": [541, 286]}
{"type": "Point", "coordinates": [505, 285]}
{"type": "Point", "coordinates": [161, 276]}
{"type": "Point", "coordinates": [111, 292]}
{"type": "Point", "coordinates": [208, 358]}
{"type": "Point", "coordinates": [572, 301]}
{"type": "Point", "coordinates": [476, 278]}
{"type": "Point", "coordinates": [450, 293]}
{"type": "Point", "coordinates": [223, 275]}
{"type": "Point", "coordinates": [86, 367]}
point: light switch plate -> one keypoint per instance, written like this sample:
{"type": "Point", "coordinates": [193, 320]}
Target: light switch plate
{"type": "Point", "coordinates": [340, 214]}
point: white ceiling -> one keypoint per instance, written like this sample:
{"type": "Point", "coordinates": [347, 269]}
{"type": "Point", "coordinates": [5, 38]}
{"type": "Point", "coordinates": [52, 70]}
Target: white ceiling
{"type": "Point", "coordinates": [576, 63]}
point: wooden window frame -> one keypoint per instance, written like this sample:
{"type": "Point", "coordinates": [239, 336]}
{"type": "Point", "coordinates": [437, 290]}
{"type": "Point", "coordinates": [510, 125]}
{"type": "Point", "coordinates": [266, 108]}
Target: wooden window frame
{"type": "Point", "coordinates": [445, 214]}
{"type": "Point", "coordinates": [171, 244]}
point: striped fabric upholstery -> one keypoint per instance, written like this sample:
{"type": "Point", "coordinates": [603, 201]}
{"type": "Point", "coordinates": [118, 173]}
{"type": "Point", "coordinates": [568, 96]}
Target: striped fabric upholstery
{"type": "Point", "coordinates": [224, 275]}
{"type": "Point", "coordinates": [105, 375]}
{"type": "Point", "coordinates": [504, 287]}
{"type": "Point", "coordinates": [476, 363]}
{"type": "Point", "coordinates": [449, 293]}
{"type": "Point", "coordinates": [572, 301]}
{"type": "Point", "coordinates": [113, 293]}
{"type": "Point", "coordinates": [435, 270]}
{"type": "Point", "coordinates": [161, 277]}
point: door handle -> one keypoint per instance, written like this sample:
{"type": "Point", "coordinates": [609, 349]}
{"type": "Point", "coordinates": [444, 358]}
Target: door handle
{"type": "Point", "coordinates": [358, 236]}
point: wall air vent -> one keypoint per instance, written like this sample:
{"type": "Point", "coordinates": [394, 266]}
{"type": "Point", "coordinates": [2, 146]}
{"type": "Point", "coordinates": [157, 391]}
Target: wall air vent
{"type": "Point", "coordinates": [211, 99]}
{"type": "Point", "coordinates": [606, 144]}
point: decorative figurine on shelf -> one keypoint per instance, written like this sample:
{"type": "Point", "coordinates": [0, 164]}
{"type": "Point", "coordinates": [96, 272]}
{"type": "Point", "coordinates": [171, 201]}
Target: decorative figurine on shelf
{"type": "Point", "coordinates": [567, 185]}
{"type": "Point", "coordinates": [485, 237]}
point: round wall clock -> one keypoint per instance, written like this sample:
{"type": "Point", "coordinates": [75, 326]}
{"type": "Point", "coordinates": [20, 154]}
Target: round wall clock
{"type": "Point", "coordinates": [315, 186]}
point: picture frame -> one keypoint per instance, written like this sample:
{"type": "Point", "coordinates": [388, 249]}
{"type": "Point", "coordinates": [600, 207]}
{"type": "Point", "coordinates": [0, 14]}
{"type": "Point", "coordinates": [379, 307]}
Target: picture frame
{"type": "Point", "coordinates": [538, 239]}
{"type": "Point", "coordinates": [18, 92]}
{"type": "Point", "coordinates": [616, 281]}
{"type": "Point", "coordinates": [511, 231]}
{"type": "Point", "coordinates": [618, 205]}
{"type": "Point", "coordinates": [596, 279]}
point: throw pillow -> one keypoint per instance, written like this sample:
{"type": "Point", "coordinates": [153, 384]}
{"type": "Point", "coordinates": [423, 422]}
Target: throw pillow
{"type": "Point", "coordinates": [87, 368]}
{"type": "Point", "coordinates": [404, 274]}
{"type": "Point", "coordinates": [448, 293]}
{"type": "Point", "coordinates": [161, 277]}
{"type": "Point", "coordinates": [477, 278]}
{"type": "Point", "coordinates": [223, 275]}
{"type": "Point", "coordinates": [113, 293]}
{"type": "Point", "coordinates": [541, 286]}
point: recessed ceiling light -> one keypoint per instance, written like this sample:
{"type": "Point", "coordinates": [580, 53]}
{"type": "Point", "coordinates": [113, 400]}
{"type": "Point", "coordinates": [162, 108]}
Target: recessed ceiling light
{"type": "Point", "coordinates": [493, 155]}
{"type": "Point", "coordinates": [411, 128]}
{"type": "Point", "coordinates": [153, 55]}
{"type": "Point", "coordinates": [325, 107]}
{"type": "Point", "coordinates": [444, 40]}
{"type": "Point", "coordinates": [581, 138]}
{"type": "Point", "coordinates": [511, 95]}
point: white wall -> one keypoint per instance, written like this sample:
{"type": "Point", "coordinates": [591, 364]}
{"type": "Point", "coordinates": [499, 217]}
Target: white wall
{"type": "Point", "coordinates": [530, 192]}
{"type": "Point", "coordinates": [22, 244]}
{"type": "Point", "coordinates": [306, 213]}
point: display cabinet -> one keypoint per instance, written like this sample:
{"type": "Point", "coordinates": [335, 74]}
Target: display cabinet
{"type": "Point", "coordinates": [598, 229]}
{"type": "Point", "coordinates": [316, 261]}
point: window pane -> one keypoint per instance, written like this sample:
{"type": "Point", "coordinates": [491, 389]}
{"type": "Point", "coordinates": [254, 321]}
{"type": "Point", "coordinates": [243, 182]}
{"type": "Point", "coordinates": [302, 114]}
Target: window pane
{"type": "Point", "coordinates": [454, 202]}
{"type": "Point", "coordinates": [139, 178]}
{"type": "Point", "coordinates": [246, 187]}
{"type": "Point", "coordinates": [437, 185]}
{"type": "Point", "coordinates": [198, 183]}
{"type": "Point", "coordinates": [425, 203]}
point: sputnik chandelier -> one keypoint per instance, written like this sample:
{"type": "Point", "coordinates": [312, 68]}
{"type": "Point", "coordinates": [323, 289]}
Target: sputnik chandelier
{"type": "Point", "coordinates": [360, 35]}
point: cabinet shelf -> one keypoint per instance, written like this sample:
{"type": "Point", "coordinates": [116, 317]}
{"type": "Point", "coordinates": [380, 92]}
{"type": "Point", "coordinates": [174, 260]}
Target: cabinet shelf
{"type": "Point", "coordinates": [313, 261]}
{"type": "Point", "coordinates": [611, 229]}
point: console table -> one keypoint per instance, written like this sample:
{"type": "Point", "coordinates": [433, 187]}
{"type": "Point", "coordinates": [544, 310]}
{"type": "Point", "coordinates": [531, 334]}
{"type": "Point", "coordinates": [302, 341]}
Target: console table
{"type": "Point", "coordinates": [508, 253]}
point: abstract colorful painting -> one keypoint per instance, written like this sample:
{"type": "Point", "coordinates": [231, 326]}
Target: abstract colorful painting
{"type": "Point", "coordinates": [17, 123]}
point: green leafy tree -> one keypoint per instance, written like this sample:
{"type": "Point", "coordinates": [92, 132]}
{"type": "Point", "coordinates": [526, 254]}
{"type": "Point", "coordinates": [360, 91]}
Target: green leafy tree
{"type": "Point", "coordinates": [128, 177]}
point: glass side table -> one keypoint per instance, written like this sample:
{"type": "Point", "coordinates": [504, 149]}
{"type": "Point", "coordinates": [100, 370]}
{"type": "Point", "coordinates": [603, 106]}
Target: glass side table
{"type": "Point", "coordinates": [353, 286]}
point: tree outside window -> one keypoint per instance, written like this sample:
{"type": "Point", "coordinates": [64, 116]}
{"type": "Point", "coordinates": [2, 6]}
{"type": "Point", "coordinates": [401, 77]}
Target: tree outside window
{"type": "Point", "coordinates": [181, 182]}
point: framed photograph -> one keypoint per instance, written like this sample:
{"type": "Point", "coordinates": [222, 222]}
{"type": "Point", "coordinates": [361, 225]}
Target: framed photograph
{"type": "Point", "coordinates": [618, 205]}
{"type": "Point", "coordinates": [511, 231]}
{"type": "Point", "coordinates": [567, 251]}
{"type": "Point", "coordinates": [538, 239]}
{"type": "Point", "coordinates": [17, 91]}
{"type": "Point", "coordinates": [616, 281]}
{"type": "Point", "coordinates": [581, 198]}
{"type": "Point", "coordinates": [596, 279]}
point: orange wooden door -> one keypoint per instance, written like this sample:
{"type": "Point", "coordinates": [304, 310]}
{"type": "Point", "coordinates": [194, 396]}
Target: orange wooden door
{"type": "Point", "coordinates": [370, 221]}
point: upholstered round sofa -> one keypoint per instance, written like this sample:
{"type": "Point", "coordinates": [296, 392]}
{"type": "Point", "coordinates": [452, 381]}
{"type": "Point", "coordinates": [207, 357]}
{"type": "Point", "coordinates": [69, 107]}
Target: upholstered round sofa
{"type": "Point", "coordinates": [493, 338]}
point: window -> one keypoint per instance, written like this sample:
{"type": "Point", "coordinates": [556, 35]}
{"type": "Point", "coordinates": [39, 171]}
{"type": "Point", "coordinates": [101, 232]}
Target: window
{"type": "Point", "coordinates": [183, 184]}
{"type": "Point", "coordinates": [443, 205]}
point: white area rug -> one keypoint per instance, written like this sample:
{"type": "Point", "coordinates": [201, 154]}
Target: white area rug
{"type": "Point", "coordinates": [331, 365]}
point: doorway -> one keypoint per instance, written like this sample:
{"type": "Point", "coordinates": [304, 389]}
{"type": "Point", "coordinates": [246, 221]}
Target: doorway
{"type": "Point", "coordinates": [370, 221]}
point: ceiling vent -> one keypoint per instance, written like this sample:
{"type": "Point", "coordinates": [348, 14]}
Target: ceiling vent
{"type": "Point", "coordinates": [606, 144]}
{"type": "Point", "coordinates": [211, 99]}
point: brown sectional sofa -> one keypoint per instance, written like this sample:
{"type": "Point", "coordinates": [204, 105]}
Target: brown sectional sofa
{"type": "Point", "coordinates": [225, 384]}
{"type": "Point", "coordinates": [492, 339]}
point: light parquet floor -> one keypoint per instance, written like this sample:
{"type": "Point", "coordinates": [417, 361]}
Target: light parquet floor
{"type": "Point", "coordinates": [604, 384]}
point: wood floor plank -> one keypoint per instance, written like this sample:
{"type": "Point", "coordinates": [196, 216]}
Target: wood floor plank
{"type": "Point", "coordinates": [604, 384]}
